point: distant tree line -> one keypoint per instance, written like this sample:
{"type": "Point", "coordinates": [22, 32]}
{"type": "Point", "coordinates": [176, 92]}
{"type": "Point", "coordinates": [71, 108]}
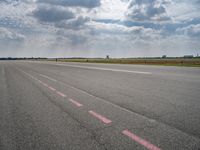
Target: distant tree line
{"type": "Point", "coordinates": [24, 58]}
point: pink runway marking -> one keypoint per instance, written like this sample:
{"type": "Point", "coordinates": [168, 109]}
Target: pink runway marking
{"type": "Point", "coordinates": [141, 141]}
{"type": "Point", "coordinates": [61, 94]}
{"type": "Point", "coordinates": [75, 102]}
{"type": "Point", "coordinates": [100, 117]}
{"type": "Point", "coordinates": [39, 81]}
{"type": "Point", "coordinates": [45, 84]}
{"type": "Point", "coordinates": [51, 88]}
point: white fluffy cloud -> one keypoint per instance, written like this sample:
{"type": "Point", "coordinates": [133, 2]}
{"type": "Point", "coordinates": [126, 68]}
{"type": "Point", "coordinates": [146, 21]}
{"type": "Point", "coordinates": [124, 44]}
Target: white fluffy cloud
{"type": "Point", "coordinates": [95, 28]}
{"type": "Point", "coordinates": [191, 30]}
{"type": "Point", "coordinates": [8, 35]}
{"type": "Point", "coordinates": [75, 23]}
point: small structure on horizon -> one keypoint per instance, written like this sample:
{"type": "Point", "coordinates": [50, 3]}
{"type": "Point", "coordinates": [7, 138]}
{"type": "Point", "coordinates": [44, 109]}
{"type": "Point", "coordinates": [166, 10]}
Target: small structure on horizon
{"type": "Point", "coordinates": [164, 56]}
{"type": "Point", "coordinates": [107, 57]}
{"type": "Point", "coordinates": [188, 56]}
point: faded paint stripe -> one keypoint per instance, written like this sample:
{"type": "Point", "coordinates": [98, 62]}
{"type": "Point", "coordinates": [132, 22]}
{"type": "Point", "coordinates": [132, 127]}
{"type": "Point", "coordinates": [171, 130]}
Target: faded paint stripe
{"type": "Point", "coordinates": [100, 117]}
{"type": "Point", "coordinates": [75, 103]}
{"type": "Point", "coordinates": [45, 84]}
{"type": "Point", "coordinates": [61, 94]}
{"type": "Point", "coordinates": [139, 140]}
{"type": "Point", "coordinates": [51, 88]}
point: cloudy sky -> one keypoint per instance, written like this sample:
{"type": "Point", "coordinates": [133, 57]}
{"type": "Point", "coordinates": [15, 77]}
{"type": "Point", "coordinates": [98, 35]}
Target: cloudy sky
{"type": "Point", "coordinates": [96, 28]}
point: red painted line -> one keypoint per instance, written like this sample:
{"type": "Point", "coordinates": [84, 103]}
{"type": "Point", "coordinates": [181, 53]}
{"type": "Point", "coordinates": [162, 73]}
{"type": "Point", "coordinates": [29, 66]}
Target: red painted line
{"type": "Point", "coordinates": [51, 88]}
{"type": "Point", "coordinates": [100, 117]}
{"type": "Point", "coordinates": [61, 94]}
{"type": "Point", "coordinates": [141, 141]}
{"type": "Point", "coordinates": [75, 103]}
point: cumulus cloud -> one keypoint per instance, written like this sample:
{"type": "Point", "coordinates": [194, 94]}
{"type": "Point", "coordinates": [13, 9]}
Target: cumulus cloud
{"type": "Point", "coordinates": [75, 24]}
{"type": "Point", "coordinates": [73, 3]}
{"type": "Point", "coordinates": [10, 40]}
{"type": "Point", "coordinates": [191, 30]}
{"type": "Point", "coordinates": [99, 27]}
{"type": "Point", "coordinates": [52, 14]}
{"type": "Point", "coordinates": [74, 38]}
{"type": "Point", "coordinates": [119, 32]}
{"type": "Point", "coordinates": [6, 34]}
{"type": "Point", "coordinates": [148, 10]}
{"type": "Point", "coordinates": [9, 1]}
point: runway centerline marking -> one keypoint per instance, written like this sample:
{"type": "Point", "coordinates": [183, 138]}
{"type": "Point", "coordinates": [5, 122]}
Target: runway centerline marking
{"type": "Point", "coordinates": [100, 117]}
{"type": "Point", "coordinates": [139, 140]}
{"type": "Point", "coordinates": [105, 69]}
{"type": "Point", "coordinates": [76, 103]}
{"type": "Point", "coordinates": [61, 94]}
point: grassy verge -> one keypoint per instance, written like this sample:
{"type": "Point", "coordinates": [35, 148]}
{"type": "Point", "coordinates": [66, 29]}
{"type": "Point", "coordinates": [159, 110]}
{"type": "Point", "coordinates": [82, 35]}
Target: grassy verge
{"type": "Point", "coordinates": [192, 62]}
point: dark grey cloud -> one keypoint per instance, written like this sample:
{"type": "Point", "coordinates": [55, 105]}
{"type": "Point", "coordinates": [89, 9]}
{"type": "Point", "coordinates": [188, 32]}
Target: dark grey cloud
{"type": "Point", "coordinates": [148, 10]}
{"type": "Point", "coordinates": [52, 14]}
{"type": "Point", "coordinates": [73, 3]}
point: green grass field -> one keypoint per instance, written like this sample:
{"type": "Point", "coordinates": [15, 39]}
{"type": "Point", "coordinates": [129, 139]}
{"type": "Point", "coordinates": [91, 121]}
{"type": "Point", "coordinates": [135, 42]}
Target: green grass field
{"type": "Point", "coordinates": [188, 62]}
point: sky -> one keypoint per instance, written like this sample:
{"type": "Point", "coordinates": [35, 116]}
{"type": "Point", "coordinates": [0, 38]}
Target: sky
{"type": "Point", "coordinates": [96, 28]}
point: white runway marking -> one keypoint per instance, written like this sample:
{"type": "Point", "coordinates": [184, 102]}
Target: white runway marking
{"type": "Point", "coordinates": [105, 69]}
{"type": "Point", "coordinates": [48, 77]}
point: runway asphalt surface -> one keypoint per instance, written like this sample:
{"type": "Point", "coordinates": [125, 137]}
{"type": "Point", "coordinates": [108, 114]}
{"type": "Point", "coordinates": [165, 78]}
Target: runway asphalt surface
{"type": "Point", "coordinates": [83, 106]}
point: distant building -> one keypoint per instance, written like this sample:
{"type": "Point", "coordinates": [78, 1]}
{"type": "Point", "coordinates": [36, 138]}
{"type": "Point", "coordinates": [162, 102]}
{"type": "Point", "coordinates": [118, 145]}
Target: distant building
{"type": "Point", "coordinates": [164, 56]}
{"type": "Point", "coordinates": [188, 56]}
{"type": "Point", "coordinates": [107, 57]}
